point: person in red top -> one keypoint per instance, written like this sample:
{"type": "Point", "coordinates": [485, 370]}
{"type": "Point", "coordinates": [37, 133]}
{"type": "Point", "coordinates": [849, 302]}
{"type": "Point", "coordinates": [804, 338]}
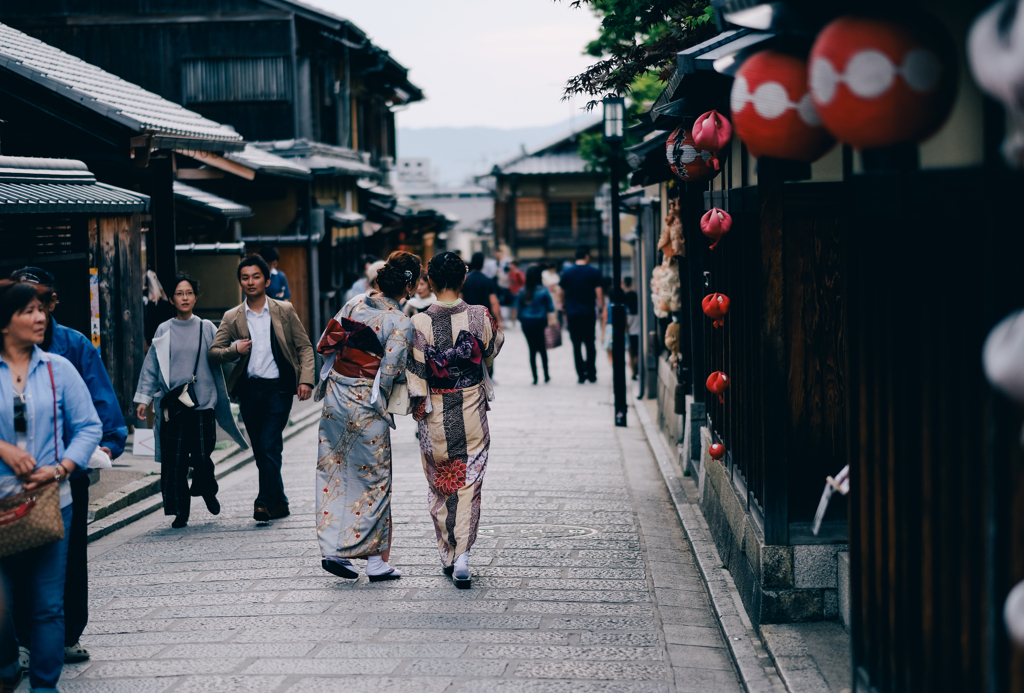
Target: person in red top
{"type": "Point", "coordinates": [516, 282]}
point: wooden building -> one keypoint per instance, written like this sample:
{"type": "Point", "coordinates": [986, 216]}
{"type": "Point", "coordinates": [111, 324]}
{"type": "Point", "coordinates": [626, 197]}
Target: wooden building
{"type": "Point", "coordinates": [545, 201]}
{"type": "Point", "coordinates": [55, 215]}
{"type": "Point", "coordinates": [850, 340]}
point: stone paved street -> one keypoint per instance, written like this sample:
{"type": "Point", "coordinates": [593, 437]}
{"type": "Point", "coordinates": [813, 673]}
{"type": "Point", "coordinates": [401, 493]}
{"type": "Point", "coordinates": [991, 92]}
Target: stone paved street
{"type": "Point", "coordinates": [584, 581]}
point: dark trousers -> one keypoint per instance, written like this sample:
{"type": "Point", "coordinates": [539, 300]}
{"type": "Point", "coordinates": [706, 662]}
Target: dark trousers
{"type": "Point", "coordinates": [187, 440]}
{"type": "Point", "coordinates": [265, 409]}
{"type": "Point", "coordinates": [581, 332]}
{"type": "Point", "coordinates": [533, 330]}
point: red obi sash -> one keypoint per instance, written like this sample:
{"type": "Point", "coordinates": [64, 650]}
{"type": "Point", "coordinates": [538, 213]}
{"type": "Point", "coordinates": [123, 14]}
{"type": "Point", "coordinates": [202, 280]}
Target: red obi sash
{"type": "Point", "coordinates": [357, 350]}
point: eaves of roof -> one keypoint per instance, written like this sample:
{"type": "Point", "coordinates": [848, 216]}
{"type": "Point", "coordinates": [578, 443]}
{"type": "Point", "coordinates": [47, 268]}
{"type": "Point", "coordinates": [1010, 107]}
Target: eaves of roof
{"type": "Point", "coordinates": [30, 185]}
{"type": "Point", "coordinates": [320, 158]}
{"type": "Point", "coordinates": [209, 202]}
{"type": "Point", "coordinates": [262, 161]}
{"type": "Point", "coordinates": [128, 104]}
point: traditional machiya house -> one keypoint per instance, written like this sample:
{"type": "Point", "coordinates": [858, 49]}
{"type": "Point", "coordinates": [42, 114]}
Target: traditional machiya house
{"type": "Point", "coordinates": [55, 215]}
{"type": "Point", "coordinates": [55, 105]}
{"type": "Point", "coordinates": [546, 202]}
{"type": "Point", "coordinates": [848, 339]}
{"type": "Point", "coordinates": [307, 86]}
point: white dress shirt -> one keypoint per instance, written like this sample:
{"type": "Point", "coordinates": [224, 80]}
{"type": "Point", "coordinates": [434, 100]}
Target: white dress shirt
{"type": "Point", "coordinates": [261, 358]}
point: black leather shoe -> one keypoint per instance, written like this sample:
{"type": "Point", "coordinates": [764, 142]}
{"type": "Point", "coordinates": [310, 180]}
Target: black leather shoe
{"type": "Point", "coordinates": [212, 504]}
{"type": "Point", "coordinates": [260, 513]}
{"type": "Point", "coordinates": [280, 511]}
{"type": "Point", "coordinates": [180, 522]}
{"type": "Point", "coordinates": [448, 570]}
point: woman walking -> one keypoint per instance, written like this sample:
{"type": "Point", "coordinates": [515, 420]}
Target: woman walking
{"type": "Point", "coordinates": [365, 349]}
{"type": "Point", "coordinates": [43, 402]}
{"type": "Point", "coordinates": [536, 312]}
{"type": "Point", "coordinates": [453, 345]}
{"type": "Point", "coordinates": [185, 437]}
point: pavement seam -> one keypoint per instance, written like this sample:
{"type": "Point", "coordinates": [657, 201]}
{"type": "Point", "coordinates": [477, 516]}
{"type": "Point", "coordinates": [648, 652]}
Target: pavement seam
{"type": "Point", "coordinates": [757, 671]}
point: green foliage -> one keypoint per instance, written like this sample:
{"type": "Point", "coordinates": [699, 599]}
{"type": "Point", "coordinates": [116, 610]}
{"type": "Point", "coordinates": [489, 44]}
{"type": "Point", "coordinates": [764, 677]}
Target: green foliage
{"type": "Point", "coordinates": [592, 147]}
{"type": "Point", "coordinates": [637, 38]}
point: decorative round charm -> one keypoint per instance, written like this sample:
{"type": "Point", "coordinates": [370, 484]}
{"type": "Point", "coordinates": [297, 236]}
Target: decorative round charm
{"type": "Point", "coordinates": [715, 223]}
{"type": "Point", "coordinates": [686, 159]}
{"type": "Point", "coordinates": [717, 451]}
{"type": "Point", "coordinates": [712, 132]}
{"type": "Point", "coordinates": [772, 109]}
{"type": "Point", "coordinates": [876, 83]}
{"type": "Point", "coordinates": [715, 307]}
{"type": "Point", "coordinates": [717, 383]}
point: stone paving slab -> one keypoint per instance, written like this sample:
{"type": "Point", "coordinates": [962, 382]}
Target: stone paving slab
{"type": "Point", "coordinates": [584, 580]}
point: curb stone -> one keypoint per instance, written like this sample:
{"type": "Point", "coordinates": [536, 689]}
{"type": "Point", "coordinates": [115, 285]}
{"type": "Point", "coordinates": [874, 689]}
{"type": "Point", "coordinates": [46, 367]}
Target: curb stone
{"type": "Point", "coordinates": [755, 667]}
{"type": "Point", "coordinates": [142, 497]}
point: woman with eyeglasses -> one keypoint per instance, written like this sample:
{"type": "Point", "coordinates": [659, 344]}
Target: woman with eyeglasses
{"type": "Point", "coordinates": [43, 403]}
{"type": "Point", "coordinates": [185, 436]}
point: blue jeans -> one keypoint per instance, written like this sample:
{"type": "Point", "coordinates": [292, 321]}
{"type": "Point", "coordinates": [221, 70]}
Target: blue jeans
{"type": "Point", "coordinates": [265, 409]}
{"type": "Point", "coordinates": [36, 577]}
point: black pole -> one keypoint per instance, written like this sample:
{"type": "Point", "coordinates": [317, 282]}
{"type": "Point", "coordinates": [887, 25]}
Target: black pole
{"type": "Point", "coordinates": [618, 308]}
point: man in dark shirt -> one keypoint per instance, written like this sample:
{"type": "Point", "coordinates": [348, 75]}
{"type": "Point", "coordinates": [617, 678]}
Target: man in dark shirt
{"type": "Point", "coordinates": [480, 290]}
{"type": "Point", "coordinates": [583, 296]}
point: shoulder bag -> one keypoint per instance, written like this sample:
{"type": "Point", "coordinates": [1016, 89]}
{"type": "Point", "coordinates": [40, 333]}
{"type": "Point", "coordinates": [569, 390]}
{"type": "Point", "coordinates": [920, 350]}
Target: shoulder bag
{"type": "Point", "coordinates": [32, 518]}
{"type": "Point", "coordinates": [183, 398]}
{"type": "Point", "coordinates": [399, 402]}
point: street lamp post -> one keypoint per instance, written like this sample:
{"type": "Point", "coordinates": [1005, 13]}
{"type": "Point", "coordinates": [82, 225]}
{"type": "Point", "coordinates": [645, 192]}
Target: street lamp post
{"type": "Point", "coordinates": [614, 132]}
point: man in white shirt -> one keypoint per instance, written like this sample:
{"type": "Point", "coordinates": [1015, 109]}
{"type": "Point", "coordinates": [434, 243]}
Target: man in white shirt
{"type": "Point", "coordinates": [275, 362]}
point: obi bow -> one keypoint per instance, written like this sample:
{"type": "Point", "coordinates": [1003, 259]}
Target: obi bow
{"type": "Point", "coordinates": [442, 362]}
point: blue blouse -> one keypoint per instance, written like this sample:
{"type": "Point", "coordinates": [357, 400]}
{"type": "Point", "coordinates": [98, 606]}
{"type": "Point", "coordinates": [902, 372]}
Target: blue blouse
{"type": "Point", "coordinates": [539, 308]}
{"type": "Point", "coordinates": [77, 421]}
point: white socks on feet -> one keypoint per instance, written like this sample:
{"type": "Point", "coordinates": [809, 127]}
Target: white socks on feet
{"type": "Point", "coordinates": [376, 566]}
{"type": "Point", "coordinates": [462, 566]}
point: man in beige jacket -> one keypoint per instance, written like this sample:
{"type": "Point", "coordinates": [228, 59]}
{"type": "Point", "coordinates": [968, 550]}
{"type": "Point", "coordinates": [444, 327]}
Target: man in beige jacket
{"type": "Point", "coordinates": [273, 358]}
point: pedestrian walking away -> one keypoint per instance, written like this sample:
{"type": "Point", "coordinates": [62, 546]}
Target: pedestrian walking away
{"type": "Point", "coordinates": [185, 437]}
{"type": "Point", "coordinates": [365, 347]}
{"type": "Point", "coordinates": [43, 403]}
{"type": "Point", "coordinates": [453, 344]}
{"type": "Point", "coordinates": [79, 350]}
{"type": "Point", "coordinates": [274, 360]}
{"type": "Point", "coordinates": [278, 287]}
{"type": "Point", "coordinates": [633, 322]}
{"type": "Point", "coordinates": [581, 285]}
{"type": "Point", "coordinates": [536, 311]}
{"type": "Point", "coordinates": [480, 290]}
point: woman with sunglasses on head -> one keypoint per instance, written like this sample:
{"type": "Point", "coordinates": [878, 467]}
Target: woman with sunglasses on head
{"type": "Point", "coordinates": [365, 349]}
{"type": "Point", "coordinates": [43, 402]}
{"type": "Point", "coordinates": [454, 344]}
{"type": "Point", "coordinates": [185, 436]}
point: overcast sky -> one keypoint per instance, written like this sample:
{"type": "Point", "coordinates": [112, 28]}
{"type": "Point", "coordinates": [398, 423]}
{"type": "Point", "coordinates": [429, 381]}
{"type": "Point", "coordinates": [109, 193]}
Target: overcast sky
{"type": "Point", "coordinates": [501, 63]}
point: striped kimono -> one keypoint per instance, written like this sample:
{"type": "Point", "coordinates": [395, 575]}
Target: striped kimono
{"type": "Point", "coordinates": [452, 348]}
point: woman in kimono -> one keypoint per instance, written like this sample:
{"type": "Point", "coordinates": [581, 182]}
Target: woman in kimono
{"type": "Point", "coordinates": [365, 348]}
{"type": "Point", "coordinates": [453, 345]}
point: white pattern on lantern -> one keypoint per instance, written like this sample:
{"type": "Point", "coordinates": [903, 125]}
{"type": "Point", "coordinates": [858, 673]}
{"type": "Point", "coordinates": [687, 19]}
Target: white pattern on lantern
{"type": "Point", "coordinates": [771, 100]}
{"type": "Point", "coordinates": [870, 73]}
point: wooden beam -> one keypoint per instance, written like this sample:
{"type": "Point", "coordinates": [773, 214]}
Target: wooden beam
{"type": "Point", "coordinates": [199, 174]}
{"type": "Point", "coordinates": [217, 162]}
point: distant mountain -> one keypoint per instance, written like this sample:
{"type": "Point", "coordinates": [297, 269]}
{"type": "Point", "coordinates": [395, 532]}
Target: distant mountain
{"type": "Point", "coordinates": [458, 154]}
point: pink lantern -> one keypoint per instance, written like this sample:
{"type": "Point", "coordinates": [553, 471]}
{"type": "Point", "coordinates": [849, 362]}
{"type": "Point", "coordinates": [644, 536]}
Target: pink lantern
{"type": "Point", "coordinates": [715, 224]}
{"type": "Point", "coordinates": [712, 132]}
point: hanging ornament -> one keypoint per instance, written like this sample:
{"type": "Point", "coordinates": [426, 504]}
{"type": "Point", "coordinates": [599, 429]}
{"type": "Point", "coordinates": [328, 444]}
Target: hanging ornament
{"type": "Point", "coordinates": [665, 288]}
{"type": "Point", "coordinates": [995, 50]}
{"type": "Point", "coordinates": [717, 382]}
{"type": "Point", "coordinates": [712, 132]}
{"type": "Point", "coordinates": [715, 307]}
{"type": "Point", "coordinates": [715, 224]}
{"type": "Point", "coordinates": [672, 242]}
{"type": "Point", "coordinates": [773, 112]}
{"type": "Point", "coordinates": [688, 161]}
{"type": "Point", "coordinates": [717, 451]}
{"type": "Point", "coordinates": [876, 83]}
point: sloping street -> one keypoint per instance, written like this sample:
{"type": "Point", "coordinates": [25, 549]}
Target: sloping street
{"type": "Point", "coordinates": [583, 582]}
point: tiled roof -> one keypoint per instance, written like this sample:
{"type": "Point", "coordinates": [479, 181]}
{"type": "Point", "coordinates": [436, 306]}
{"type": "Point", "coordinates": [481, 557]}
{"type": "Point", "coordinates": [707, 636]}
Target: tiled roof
{"type": "Point", "coordinates": [320, 158]}
{"type": "Point", "coordinates": [29, 185]}
{"type": "Point", "coordinates": [210, 202]}
{"type": "Point", "coordinates": [542, 164]}
{"type": "Point", "coordinates": [96, 89]}
{"type": "Point", "coordinates": [263, 161]}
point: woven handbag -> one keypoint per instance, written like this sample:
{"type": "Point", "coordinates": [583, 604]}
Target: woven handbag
{"type": "Point", "coordinates": [552, 336]}
{"type": "Point", "coordinates": [33, 518]}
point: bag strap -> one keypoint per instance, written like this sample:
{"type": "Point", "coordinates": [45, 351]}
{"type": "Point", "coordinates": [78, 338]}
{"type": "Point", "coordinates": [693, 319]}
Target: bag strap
{"type": "Point", "coordinates": [199, 351]}
{"type": "Point", "coordinates": [53, 386]}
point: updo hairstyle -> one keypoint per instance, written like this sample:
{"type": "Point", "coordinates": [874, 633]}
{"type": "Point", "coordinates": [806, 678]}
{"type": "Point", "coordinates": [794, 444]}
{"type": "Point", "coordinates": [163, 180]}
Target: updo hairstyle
{"type": "Point", "coordinates": [401, 270]}
{"type": "Point", "coordinates": [447, 271]}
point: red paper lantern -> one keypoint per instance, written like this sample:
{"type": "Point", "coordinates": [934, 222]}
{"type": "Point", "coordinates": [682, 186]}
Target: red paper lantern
{"type": "Point", "coordinates": [717, 382]}
{"type": "Point", "coordinates": [717, 451]}
{"type": "Point", "coordinates": [715, 223]}
{"type": "Point", "coordinates": [876, 83]}
{"type": "Point", "coordinates": [712, 132]}
{"type": "Point", "coordinates": [686, 159]}
{"type": "Point", "coordinates": [772, 109]}
{"type": "Point", "coordinates": [715, 307]}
